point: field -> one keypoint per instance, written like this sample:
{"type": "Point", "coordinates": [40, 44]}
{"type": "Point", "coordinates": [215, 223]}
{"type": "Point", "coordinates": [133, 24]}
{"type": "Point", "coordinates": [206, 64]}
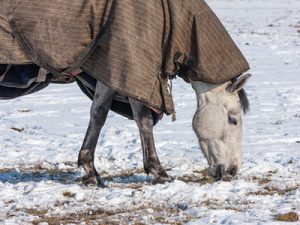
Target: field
{"type": "Point", "coordinates": [41, 135]}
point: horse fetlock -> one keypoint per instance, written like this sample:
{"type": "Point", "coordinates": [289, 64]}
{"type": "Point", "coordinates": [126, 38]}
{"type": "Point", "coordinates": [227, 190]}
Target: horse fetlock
{"type": "Point", "coordinates": [89, 181]}
{"type": "Point", "coordinates": [95, 180]}
{"type": "Point", "coordinates": [155, 169]}
{"type": "Point", "coordinates": [162, 179]}
{"type": "Point", "coordinates": [160, 175]}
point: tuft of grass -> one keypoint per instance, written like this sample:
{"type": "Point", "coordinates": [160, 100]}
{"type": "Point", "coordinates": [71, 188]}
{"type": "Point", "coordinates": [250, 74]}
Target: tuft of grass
{"type": "Point", "coordinates": [274, 190]}
{"type": "Point", "coordinates": [35, 212]}
{"type": "Point", "coordinates": [24, 110]}
{"type": "Point", "coordinates": [261, 180]}
{"type": "Point", "coordinates": [124, 174]}
{"type": "Point", "coordinates": [200, 177]}
{"type": "Point", "coordinates": [287, 217]}
{"type": "Point", "coordinates": [6, 170]}
{"type": "Point", "coordinates": [69, 194]}
{"type": "Point", "coordinates": [18, 129]}
{"type": "Point", "coordinates": [160, 214]}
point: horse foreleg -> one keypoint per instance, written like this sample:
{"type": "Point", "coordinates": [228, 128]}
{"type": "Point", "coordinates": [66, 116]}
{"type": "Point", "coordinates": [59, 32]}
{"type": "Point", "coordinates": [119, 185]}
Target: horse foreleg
{"type": "Point", "coordinates": [144, 119]}
{"type": "Point", "coordinates": [101, 104]}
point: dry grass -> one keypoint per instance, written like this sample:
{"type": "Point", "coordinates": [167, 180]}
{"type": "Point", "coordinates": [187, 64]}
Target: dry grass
{"type": "Point", "coordinates": [69, 194]}
{"type": "Point", "coordinates": [124, 174]}
{"type": "Point", "coordinates": [275, 190]}
{"type": "Point", "coordinates": [18, 129]}
{"type": "Point", "coordinates": [6, 170]}
{"type": "Point", "coordinates": [39, 168]}
{"type": "Point", "coordinates": [236, 206]}
{"type": "Point", "coordinates": [200, 177]}
{"type": "Point", "coordinates": [40, 172]}
{"type": "Point", "coordinates": [24, 110]}
{"type": "Point", "coordinates": [35, 212]}
{"type": "Point", "coordinates": [288, 217]}
{"type": "Point", "coordinates": [158, 214]}
{"type": "Point", "coordinates": [261, 180]}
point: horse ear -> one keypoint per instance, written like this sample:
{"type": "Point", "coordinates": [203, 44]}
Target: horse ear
{"type": "Point", "coordinates": [238, 83]}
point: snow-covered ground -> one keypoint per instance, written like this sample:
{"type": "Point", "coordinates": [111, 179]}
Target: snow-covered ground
{"type": "Point", "coordinates": [42, 133]}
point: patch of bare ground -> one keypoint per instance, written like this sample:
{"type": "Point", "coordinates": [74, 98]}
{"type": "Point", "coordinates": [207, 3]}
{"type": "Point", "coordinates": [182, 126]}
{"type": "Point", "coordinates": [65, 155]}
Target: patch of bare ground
{"type": "Point", "coordinates": [124, 174]}
{"type": "Point", "coordinates": [237, 206]}
{"type": "Point", "coordinates": [40, 168]}
{"type": "Point", "coordinates": [69, 194]}
{"type": "Point", "coordinates": [261, 180]}
{"type": "Point", "coordinates": [131, 178]}
{"type": "Point", "coordinates": [298, 27]}
{"type": "Point", "coordinates": [200, 177]}
{"type": "Point", "coordinates": [272, 190]}
{"type": "Point", "coordinates": [154, 214]}
{"type": "Point", "coordinates": [287, 217]}
{"type": "Point", "coordinates": [18, 129]}
{"type": "Point", "coordinates": [24, 110]}
{"type": "Point", "coordinates": [264, 178]}
{"type": "Point", "coordinates": [6, 170]}
{"type": "Point", "coordinates": [40, 172]}
{"type": "Point", "coordinates": [10, 201]}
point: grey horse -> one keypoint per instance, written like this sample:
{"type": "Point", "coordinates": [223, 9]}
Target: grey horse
{"type": "Point", "coordinates": [217, 123]}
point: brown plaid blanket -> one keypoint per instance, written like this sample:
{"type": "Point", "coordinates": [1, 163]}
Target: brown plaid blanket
{"type": "Point", "coordinates": [133, 46]}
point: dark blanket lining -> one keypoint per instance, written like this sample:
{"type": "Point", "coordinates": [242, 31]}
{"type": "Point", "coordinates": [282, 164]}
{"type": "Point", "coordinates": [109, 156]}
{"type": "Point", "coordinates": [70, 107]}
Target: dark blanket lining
{"type": "Point", "coordinates": [21, 80]}
{"type": "Point", "coordinates": [120, 103]}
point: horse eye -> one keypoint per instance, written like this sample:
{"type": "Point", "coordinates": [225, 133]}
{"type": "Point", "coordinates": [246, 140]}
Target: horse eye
{"type": "Point", "coordinates": [232, 120]}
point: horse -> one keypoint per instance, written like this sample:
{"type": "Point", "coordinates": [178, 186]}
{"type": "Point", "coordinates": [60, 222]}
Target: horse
{"type": "Point", "coordinates": [217, 123]}
{"type": "Point", "coordinates": [132, 49]}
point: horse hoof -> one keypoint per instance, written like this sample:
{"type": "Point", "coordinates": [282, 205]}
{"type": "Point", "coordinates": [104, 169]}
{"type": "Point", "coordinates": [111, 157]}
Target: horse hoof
{"type": "Point", "coordinates": [162, 180]}
{"type": "Point", "coordinates": [92, 181]}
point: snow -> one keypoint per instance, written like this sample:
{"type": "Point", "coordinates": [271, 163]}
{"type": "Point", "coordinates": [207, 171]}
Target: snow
{"type": "Point", "coordinates": [40, 182]}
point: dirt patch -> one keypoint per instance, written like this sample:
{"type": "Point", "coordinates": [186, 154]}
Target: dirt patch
{"type": "Point", "coordinates": [69, 194]}
{"type": "Point", "coordinates": [237, 206]}
{"type": "Point", "coordinates": [124, 174]}
{"type": "Point", "coordinates": [24, 110]}
{"type": "Point", "coordinates": [151, 214]}
{"type": "Point", "coordinates": [18, 129]}
{"type": "Point", "coordinates": [271, 190]}
{"type": "Point", "coordinates": [261, 180]}
{"type": "Point", "coordinates": [35, 212]}
{"type": "Point", "coordinates": [38, 172]}
{"type": "Point", "coordinates": [264, 178]}
{"type": "Point", "coordinates": [298, 27]}
{"type": "Point", "coordinates": [288, 217]}
{"type": "Point", "coordinates": [200, 177]}
{"type": "Point", "coordinates": [6, 170]}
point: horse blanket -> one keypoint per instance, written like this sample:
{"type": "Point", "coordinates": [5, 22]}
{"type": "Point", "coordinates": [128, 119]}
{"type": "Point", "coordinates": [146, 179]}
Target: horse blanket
{"type": "Point", "coordinates": [132, 46]}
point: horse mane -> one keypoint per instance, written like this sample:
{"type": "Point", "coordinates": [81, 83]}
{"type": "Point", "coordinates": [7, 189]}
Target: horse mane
{"type": "Point", "coordinates": [245, 105]}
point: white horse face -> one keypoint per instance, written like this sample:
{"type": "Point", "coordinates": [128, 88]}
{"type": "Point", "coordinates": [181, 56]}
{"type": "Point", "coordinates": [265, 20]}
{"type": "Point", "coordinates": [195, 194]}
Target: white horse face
{"type": "Point", "coordinates": [218, 125]}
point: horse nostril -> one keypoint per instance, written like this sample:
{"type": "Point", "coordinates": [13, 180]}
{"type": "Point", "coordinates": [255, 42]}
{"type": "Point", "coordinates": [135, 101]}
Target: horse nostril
{"type": "Point", "coordinates": [220, 171]}
{"type": "Point", "coordinates": [232, 171]}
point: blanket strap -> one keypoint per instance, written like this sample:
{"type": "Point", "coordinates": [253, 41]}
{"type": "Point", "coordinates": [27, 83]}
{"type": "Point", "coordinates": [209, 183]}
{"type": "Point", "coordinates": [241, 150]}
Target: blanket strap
{"type": "Point", "coordinates": [163, 76]}
{"type": "Point", "coordinates": [42, 75]}
{"type": "Point", "coordinates": [3, 75]}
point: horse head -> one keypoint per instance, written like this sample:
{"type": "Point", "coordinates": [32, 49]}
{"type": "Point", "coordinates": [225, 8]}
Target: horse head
{"type": "Point", "coordinates": [218, 125]}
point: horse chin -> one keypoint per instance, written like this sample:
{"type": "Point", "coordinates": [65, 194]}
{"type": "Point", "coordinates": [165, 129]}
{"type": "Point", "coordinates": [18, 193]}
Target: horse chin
{"type": "Point", "coordinates": [213, 171]}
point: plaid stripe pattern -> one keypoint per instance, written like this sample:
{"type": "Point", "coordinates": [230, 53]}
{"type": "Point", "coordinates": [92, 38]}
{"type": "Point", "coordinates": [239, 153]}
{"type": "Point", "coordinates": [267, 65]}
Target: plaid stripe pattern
{"type": "Point", "coordinates": [137, 44]}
